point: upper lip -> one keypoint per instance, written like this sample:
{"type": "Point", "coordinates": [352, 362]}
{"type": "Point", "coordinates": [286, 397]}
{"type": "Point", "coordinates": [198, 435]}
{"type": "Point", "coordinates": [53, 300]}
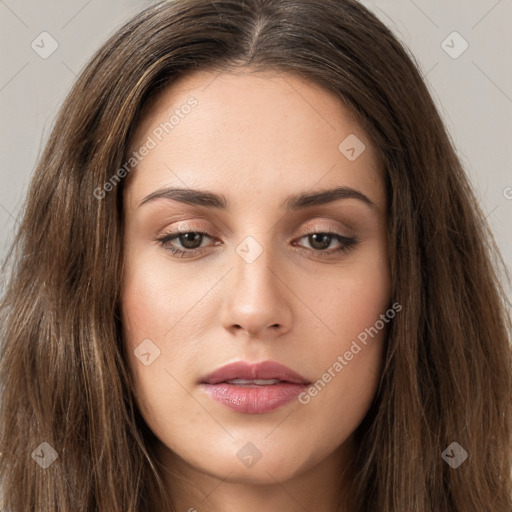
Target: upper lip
{"type": "Point", "coordinates": [250, 371]}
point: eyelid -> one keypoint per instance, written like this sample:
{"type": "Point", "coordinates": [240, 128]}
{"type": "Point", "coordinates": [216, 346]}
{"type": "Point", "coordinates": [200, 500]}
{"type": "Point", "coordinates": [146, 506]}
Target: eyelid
{"type": "Point", "coordinates": [309, 229]}
{"type": "Point", "coordinates": [346, 242]}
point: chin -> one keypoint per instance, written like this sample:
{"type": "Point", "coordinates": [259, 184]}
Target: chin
{"type": "Point", "coordinates": [266, 471]}
{"type": "Point", "coordinates": [259, 462]}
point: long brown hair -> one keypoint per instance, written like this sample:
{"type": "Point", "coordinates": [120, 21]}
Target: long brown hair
{"type": "Point", "coordinates": [63, 372]}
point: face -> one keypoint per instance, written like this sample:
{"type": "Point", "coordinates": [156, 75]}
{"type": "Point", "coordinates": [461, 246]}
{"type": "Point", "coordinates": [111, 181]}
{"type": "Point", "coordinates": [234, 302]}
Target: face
{"type": "Point", "coordinates": [255, 237]}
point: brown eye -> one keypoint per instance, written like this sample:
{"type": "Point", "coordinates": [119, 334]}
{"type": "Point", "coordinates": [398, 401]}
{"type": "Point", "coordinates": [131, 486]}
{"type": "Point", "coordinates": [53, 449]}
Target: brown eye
{"type": "Point", "coordinates": [320, 241]}
{"type": "Point", "coordinates": [191, 240]}
{"type": "Point", "coordinates": [182, 243]}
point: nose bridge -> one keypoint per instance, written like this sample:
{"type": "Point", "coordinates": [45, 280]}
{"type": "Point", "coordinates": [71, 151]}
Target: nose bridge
{"type": "Point", "coordinates": [252, 266]}
{"type": "Point", "coordinates": [255, 300]}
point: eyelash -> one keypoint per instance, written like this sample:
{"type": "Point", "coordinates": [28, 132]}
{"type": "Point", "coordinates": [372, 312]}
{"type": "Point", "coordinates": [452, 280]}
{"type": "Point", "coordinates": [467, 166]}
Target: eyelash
{"type": "Point", "coordinates": [346, 243]}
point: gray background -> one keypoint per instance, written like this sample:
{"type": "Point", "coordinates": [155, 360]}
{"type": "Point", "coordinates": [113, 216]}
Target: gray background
{"type": "Point", "coordinates": [473, 91]}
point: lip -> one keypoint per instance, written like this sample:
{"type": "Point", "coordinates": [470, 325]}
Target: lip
{"type": "Point", "coordinates": [252, 398]}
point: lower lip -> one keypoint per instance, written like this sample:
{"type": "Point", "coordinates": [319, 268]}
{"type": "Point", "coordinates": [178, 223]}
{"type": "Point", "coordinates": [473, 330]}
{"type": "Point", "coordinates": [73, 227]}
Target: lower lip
{"type": "Point", "coordinates": [254, 399]}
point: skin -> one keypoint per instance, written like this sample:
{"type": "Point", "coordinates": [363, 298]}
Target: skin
{"type": "Point", "coordinates": [256, 138]}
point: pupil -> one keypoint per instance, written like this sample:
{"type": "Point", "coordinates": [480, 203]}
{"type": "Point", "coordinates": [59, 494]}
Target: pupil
{"type": "Point", "coordinates": [324, 240]}
{"type": "Point", "coordinates": [189, 240]}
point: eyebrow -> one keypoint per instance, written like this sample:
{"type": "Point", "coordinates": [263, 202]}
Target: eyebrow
{"type": "Point", "coordinates": [294, 202]}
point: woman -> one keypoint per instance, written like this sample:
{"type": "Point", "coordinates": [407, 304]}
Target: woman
{"type": "Point", "coordinates": [252, 275]}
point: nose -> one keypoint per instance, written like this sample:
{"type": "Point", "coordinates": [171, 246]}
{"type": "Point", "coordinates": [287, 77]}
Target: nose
{"type": "Point", "coordinates": [257, 300]}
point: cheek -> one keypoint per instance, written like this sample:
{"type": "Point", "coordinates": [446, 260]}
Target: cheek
{"type": "Point", "coordinates": [356, 312]}
{"type": "Point", "coordinates": [156, 302]}
{"type": "Point", "coordinates": [165, 314]}
{"type": "Point", "coordinates": [148, 291]}
{"type": "Point", "coordinates": [350, 297]}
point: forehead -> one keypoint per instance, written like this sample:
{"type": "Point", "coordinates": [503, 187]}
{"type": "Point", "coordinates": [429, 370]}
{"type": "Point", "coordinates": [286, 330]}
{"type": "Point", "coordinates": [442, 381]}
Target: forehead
{"type": "Point", "coordinates": [264, 130]}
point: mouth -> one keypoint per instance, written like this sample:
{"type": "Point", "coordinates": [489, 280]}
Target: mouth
{"type": "Point", "coordinates": [253, 382]}
{"type": "Point", "coordinates": [254, 388]}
